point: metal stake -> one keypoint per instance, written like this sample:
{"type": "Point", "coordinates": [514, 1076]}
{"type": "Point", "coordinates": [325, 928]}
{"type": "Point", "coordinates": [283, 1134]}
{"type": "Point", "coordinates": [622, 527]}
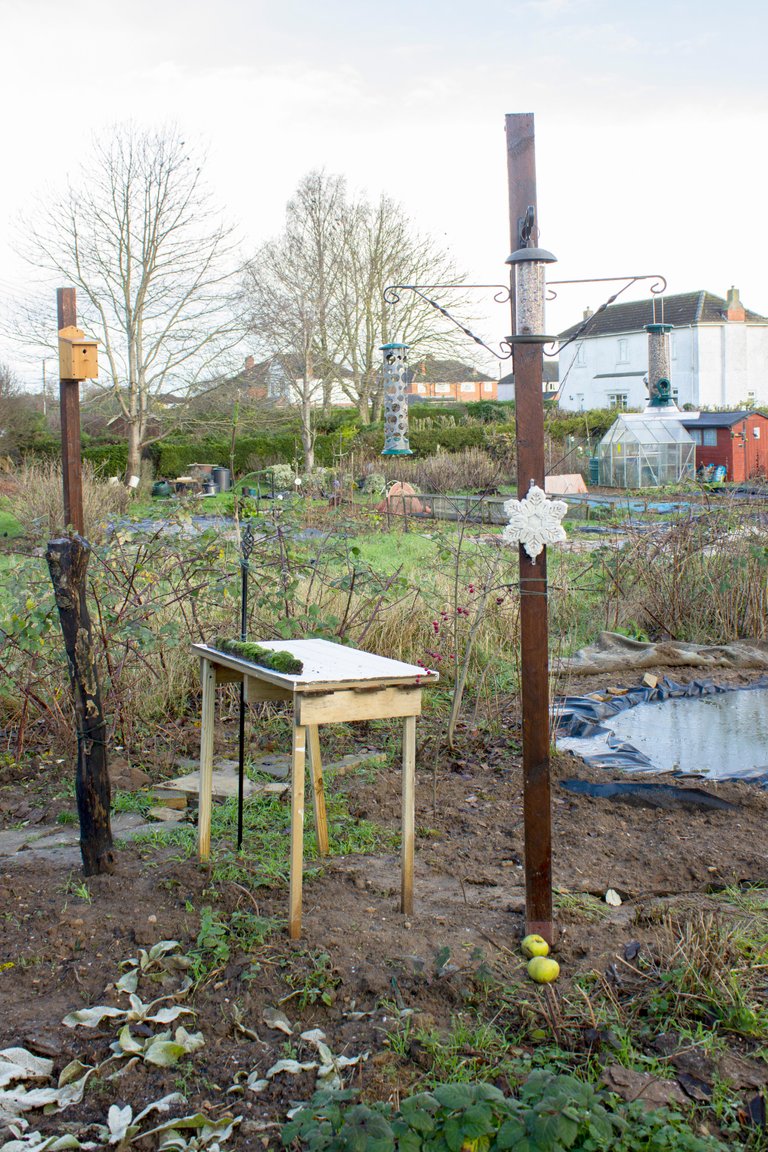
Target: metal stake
{"type": "Point", "coordinates": [529, 423]}
{"type": "Point", "coordinates": [246, 547]}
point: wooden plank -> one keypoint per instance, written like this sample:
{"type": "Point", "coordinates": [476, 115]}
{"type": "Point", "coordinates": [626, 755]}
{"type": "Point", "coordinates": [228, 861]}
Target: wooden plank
{"type": "Point", "coordinates": [318, 793]}
{"type": "Point", "coordinates": [373, 704]}
{"type": "Point", "coordinates": [228, 676]}
{"type": "Point", "coordinates": [257, 690]}
{"type": "Point", "coordinates": [409, 815]}
{"type": "Point", "coordinates": [297, 829]}
{"type": "Point", "coordinates": [207, 720]}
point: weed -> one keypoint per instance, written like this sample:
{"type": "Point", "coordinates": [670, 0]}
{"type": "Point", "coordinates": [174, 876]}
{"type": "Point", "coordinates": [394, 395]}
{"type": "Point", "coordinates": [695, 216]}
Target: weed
{"type": "Point", "coordinates": [577, 906]}
{"type": "Point", "coordinates": [67, 818]}
{"type": "Point", "coordinates": [312, 978]}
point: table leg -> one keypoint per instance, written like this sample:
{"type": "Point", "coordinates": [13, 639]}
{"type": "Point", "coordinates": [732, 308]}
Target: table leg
{"type": "Point", "coordinates": [297, 828]}
{"type": "Point", "coordinates": [318, 793]}
{"type": "Point", "coordinates": [409, 814]}
{"type": "Point", "coordinates": [207, 722]}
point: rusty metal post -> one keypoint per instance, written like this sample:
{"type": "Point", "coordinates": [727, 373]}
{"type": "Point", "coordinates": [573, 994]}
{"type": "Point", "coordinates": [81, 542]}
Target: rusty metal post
{"type": "Point", "coordinates": [69, 399]}
{"type": "Point", "coordinates": [529, 425]}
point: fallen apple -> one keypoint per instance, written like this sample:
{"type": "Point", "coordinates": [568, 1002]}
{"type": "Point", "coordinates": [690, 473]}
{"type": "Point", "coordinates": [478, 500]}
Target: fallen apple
{"type": "Point", "coordinates": [534, 945]}
{"type": "Point", "coordinates": [543, 969]}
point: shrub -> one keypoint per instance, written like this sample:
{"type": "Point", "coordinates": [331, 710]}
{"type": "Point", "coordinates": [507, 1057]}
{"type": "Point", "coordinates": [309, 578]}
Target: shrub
{"type": "Point", "coordinates": [374, 483]}
{"type": "Point", "coordinates": [551, 1114]}
{"type": "Point", "coordinates": [282, 476]}
{"type": "Point", "coordinates": [37, 502]}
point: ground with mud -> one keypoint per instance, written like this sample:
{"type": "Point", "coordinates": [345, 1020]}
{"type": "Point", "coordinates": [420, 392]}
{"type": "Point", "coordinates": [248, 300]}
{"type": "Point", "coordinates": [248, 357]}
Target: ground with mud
{"type": "Point", "coordinates": [60, 951]}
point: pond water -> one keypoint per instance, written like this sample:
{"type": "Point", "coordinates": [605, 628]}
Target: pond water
{"type": "Point", "coordinates": [719, 736]}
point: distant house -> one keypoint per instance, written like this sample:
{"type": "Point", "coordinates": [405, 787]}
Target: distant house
{"type": "Point", "coordinates": [550, 378]}
{"type": "Point", "coordinates": [736, 441]}
{"type": "Point", "coordinates": [718, 354]}
{"type": "Point", "coordinates": [433, 379]}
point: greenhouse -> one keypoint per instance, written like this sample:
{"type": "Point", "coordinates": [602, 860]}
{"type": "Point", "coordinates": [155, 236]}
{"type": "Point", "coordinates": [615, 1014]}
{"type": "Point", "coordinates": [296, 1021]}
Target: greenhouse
{"type": "Point", "coordinates": [643, 450]}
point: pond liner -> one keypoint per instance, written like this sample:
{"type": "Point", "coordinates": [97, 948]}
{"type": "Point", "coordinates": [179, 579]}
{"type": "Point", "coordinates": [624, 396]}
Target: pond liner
{"type": "Point", "coordinates": [582, 718]}
{"type": "Point", "coordinates": [645, 795]}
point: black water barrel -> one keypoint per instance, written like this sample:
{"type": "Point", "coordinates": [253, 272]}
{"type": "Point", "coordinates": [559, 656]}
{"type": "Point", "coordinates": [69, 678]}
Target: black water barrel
{"type": "Point", "coordinates": [594, 470]}
{"type": "Point", "coordinates": [222, 478]}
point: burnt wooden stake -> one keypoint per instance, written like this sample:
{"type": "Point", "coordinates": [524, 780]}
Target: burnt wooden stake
{"type": "Point", "coordinates": [529, 425]}
{"type": "Point", "coordinates": [67, 563]}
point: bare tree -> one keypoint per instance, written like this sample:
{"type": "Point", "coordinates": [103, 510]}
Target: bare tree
{"type": "Point", "coordinates": [289, 296]}
{"type": "Point", "coordinates": [137, 236]}
{"type": "Point", "coordinates": [315, 295]}
{"type": "Point", "coordinates": [380, 248]}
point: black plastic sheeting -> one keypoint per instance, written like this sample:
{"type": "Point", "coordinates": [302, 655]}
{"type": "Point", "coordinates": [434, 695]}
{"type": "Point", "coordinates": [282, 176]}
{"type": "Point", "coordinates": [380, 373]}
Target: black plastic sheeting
{"type": "Point", "coordinates": [582, 718]}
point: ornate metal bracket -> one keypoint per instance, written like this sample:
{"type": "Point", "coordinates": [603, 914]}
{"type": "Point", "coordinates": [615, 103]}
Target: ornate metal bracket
{"type": "Point", "coordinates": [501, 296]}
{"type": "Point", "coordinates": [658, 286]}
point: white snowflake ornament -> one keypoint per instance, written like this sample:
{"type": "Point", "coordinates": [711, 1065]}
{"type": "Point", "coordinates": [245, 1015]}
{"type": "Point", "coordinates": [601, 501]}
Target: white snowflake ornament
{"type": "Point", "coordinates": [535, 521]}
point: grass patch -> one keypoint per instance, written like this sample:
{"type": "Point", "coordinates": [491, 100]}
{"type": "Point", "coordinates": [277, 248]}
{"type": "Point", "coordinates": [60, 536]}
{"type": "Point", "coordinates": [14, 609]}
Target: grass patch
{"type": "Point", "coordinates": [264, 859]}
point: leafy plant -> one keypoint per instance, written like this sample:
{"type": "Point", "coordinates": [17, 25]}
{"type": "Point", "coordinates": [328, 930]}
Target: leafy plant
{"type": "Point", "coordinates": [551, 1113]}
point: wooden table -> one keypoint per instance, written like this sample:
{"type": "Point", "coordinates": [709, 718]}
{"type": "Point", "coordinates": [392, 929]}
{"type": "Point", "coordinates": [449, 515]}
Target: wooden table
{"type": "Point", "coordinates": [337, 684]}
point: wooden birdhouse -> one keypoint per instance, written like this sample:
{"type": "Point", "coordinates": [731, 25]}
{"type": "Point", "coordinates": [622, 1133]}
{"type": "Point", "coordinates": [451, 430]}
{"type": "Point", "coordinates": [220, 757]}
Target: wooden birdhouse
{"type": "Point", "coordinates": [78, 358]}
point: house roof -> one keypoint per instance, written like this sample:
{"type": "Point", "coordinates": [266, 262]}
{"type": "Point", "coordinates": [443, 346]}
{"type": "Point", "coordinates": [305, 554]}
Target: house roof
{"type": "Point", "coordinates": [718, 419]}
{"type": "Point", "coordinates": [430, 370]}
{"type": "Point", "coordinates": [682, 310]}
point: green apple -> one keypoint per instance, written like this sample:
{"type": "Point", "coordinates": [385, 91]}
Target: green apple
{"type": "Point", "coordinates": [543, 970]}
{"type": "Point", "coordinates": [534, 945]}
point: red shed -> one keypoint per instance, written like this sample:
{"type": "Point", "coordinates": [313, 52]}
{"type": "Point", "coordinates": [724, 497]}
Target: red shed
{"type": "Point", "coordinates": [736, 441]}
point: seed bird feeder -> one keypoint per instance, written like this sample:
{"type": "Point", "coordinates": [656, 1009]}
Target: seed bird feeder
{"type": "Point", "coordinates": [529, 266]}
{"type": "Point", "coordinates": [395, 400]}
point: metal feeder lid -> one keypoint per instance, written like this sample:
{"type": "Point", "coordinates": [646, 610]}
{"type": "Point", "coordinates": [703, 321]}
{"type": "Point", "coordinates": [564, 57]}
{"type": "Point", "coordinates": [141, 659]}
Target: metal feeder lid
{"type": "Point", "coordinates": [659, 327]}
{"type": "Point", "coordinates": [389, 347]}
{"type": "Point", "coordinates": [531, 255]}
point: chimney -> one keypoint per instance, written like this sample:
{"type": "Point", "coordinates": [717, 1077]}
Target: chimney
{"type": "Point", "coordinates": [734, 309]}
{"type": "Point", "coordinates": [588, 313]}
{"type": "Point", "coordinates": [249, 362]}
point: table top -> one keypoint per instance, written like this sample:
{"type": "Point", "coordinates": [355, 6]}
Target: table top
{"type": "Point", "coordinates": [326, 666]}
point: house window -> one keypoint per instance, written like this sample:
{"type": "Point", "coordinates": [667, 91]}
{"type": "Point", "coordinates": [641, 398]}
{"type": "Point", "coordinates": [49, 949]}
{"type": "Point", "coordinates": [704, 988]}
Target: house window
{"type": "Point", "coordinates": [623, 351]}
{"type": "Point", "coordinates": [488, 386]}
{"type": "Point", "coordinates": [618, 400]}
{"type": "Point", "coordinates": [695, 435]}
{"type": "Point", "coordinates": [421, 389]}
{"type": "Point", "coordinates": [673, 346]}
{"type": "Point", "coordinates": [442, 388]}
{"type": "Point", "coordinates": [581, 357]}
{"type": "Point", "coordinates": [467, 386]}
{"type": "Point", "coordinates": [709, 437]}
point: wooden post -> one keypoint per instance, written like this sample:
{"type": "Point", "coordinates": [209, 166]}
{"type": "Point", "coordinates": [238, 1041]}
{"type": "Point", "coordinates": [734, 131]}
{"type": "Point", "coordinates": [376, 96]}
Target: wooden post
{"type": "Point", "coordinates": [318, 791]}
{"type": "Point", "coordinates": [69, 400]}
{"type": "Point", "coordinates": [205, 790]}
{"type": "Point", "coordinates": [409, 815]}
{"type": "Point", "coordinates": [67, 563]}
{"type": "Point", "coordinates": [529, 425]}
{"type": "Point", "coordinates": [298, 760]}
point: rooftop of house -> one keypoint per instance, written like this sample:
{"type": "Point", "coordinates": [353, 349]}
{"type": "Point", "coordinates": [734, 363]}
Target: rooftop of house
{"type": "Point", "coordinates": [682, 310]}
{"type": "Point", "coordinates": [717, 419]}
{"type": "Point", "coordinates": [430, 370]}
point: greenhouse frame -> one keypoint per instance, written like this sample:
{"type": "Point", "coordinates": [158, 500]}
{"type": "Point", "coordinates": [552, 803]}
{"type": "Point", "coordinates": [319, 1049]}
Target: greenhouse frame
{"type": "Point", "coordinates": [643, 450]}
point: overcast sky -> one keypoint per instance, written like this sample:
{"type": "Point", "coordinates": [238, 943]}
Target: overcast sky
{"type": "Point", "coordinates": [651, 121]}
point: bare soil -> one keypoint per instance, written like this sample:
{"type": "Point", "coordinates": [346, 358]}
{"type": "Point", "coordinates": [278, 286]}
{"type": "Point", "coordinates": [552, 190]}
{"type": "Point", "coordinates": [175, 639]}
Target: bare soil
{"type": "Point", "coordinates": [59, 952]}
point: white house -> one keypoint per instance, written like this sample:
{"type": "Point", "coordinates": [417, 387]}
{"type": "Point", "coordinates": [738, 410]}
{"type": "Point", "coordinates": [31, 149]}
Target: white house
{"type": "Point", "coordinates": [718, 354]}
